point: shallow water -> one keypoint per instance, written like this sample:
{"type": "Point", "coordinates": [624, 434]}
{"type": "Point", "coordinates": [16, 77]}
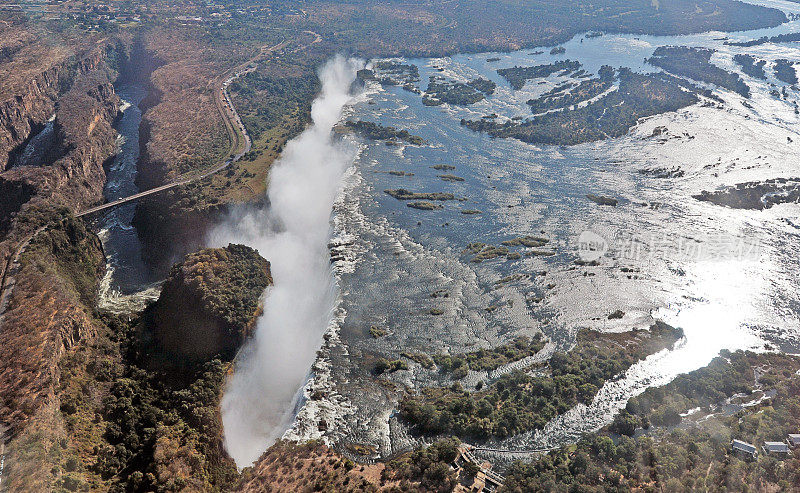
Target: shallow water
{"type": "Point", "coordinates": [727, 277]}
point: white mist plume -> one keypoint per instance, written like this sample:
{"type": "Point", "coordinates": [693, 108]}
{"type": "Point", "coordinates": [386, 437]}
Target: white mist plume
{"type": "Point", "coordinates": [259, 400]}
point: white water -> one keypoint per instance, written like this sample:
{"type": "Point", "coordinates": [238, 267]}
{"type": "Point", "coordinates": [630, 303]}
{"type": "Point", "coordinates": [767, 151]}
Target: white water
{"type": "Point", "coordinates": [260, 398]}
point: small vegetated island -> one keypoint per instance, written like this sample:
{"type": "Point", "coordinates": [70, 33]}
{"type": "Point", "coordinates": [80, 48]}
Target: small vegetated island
{"type": "Point", "coordinates": [570, 93]}
{"type": "Point", "coordinates": [441, 90]}
{"type": "Point", "coordinates": [518, 76]}
{"type": "Point", "coordinates": [376, 131]}
{"type": "Point", "coordinates": [695, 63]}
{"type": "Point", "coordinates": [426, 201]}
{"type": "Point", "coordinates": [392, 73]}
{"type": "Point", "coordinates": [785, 71]}
{"type": "Point", "coordinates": [780, 38]}
{"type": "Point", "coordinates": [750, 66]}
{"type": "Point", "coordinates": [755, 195]}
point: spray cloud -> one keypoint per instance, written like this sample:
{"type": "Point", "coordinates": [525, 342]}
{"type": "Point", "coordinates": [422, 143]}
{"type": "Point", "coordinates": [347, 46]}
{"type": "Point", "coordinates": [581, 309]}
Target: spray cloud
{"type": "Point", "coordinates": [258, 402]}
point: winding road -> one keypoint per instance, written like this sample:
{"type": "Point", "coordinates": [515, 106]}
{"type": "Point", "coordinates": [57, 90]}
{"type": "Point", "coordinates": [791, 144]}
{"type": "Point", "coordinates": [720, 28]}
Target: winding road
{"type": "Point", "coordinates": [240, 140]}
{"type": "Point", "coordinates": [240, 145]}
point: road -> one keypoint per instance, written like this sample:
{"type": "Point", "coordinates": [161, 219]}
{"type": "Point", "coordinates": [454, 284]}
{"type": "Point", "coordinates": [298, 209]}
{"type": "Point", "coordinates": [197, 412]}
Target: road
{"type": "Point", "coordinates": [240, 145]}
{"type": "Point", "coordinates": [12, 266]}
{"type": "Point", "coordinates": [237, 133]}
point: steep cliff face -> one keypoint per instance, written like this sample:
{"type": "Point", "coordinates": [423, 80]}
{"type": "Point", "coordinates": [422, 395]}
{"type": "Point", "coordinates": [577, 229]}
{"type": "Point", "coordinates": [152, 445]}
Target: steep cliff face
{"type": "Point", "coordinates": [30, 106]}
{"type": "Point", "coordinates": [48, 312]}
{"type": "Point", "coordinates": [50, 275]}
{"type": "Point", "coordinates": [209, 303]}
{"type": "Point", "coordinates": [181, 131]}
{"type": "Point", "coordinates": [83, 140]}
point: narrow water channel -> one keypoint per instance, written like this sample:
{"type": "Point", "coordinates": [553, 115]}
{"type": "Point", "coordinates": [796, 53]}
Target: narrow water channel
{"type": "Point", "coordinates": [128, 283]}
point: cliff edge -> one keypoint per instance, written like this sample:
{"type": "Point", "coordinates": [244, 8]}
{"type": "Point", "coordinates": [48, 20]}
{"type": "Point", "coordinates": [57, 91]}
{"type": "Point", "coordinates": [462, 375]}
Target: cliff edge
{"type": "Point", "coordinates": [209, 303]}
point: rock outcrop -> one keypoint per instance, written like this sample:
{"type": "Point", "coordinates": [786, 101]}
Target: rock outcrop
{"type": "Point", "coordinates": [209, 303]}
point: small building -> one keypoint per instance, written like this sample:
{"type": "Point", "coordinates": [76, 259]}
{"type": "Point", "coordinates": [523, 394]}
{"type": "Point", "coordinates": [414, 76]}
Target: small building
{"type": "Point", "coordinates": [744, 449]}
{"type": "Point", "coordinates": [793, 440]}
{"type": "Point", "coordinates": [779, 449]}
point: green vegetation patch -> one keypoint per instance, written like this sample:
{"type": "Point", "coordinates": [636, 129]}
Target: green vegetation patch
{"type": "Point", "coordinates": [728, 374]}
{"type": "Point", "coordinates": [584, 91]}
{"type": "Point", "coordinates": [785, 71]}
{"type": "Point", "coordinates": [451, 178]}
{"type": "Point", "coordinates": [750, 66]}
{"type": "Point", "coordinates": [695, 458]}
{"type": "Point", "coordinates": [527, 241]}
{"type": "Point", "coordinates": [695, 63]}
{"type": "Point", "coordinates": [490, 359]}
{"type": "Point", "coordinates": [517, 76]}
{"type": "Point", "coordinates": [443, 91]}
{"type": "Point", "coordinates": [403, 194]}
{"type": "Point", "coordinates": [429, 468]}
{"type": "Point", "coordinates": [392, 73]}
{"type": "Point", "coordinates": [383, 365]}
{"type": "Point", "coordinates": [424, 205]}
{"type": "Point", "coordinates": [228, 281]}
{"type": "Point", "coordinates": [375, 131]}
{"type": "Point", "coordinates": [482, 251]}
{"type": "Point", "coordinates": [519, 402]}
{"type": "Point", "coordinates": [780, 38]}
{"type": "Point", "coordinates": [423, 359]}
{"type": "Point", "coordinates": [377, 332]}
{"type": "Point", "coordinates": [137, 429]}
{"type": "Point", "coordinates": [483, 85]}
{"type": "Point", "coordinates": [264, 99]}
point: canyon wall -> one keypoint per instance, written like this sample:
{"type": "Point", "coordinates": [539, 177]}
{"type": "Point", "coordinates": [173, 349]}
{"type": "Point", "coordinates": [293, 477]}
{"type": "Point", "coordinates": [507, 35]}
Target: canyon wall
{"type": "Point", "coordinates": [31, 105]}
{"type": "Point", "coordinates": [81, 95]}
{"type": "Point", "coordinates": [50, 262]}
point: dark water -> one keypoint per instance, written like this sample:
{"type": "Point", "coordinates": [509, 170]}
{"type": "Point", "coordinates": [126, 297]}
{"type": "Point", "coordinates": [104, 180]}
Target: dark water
{"type": "Point", "coordinates": [128, 281]}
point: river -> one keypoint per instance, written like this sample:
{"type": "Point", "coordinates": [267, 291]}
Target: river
{"type": "Point", "coordinates": [727, 277]}
{"type": "Point", "coordinates": [128, 284]}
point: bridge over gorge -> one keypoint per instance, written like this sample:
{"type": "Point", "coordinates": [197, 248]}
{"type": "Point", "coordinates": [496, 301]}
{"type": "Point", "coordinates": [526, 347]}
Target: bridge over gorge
{"type": "Point", "coordinates": [176, 183]}
{"type": "Point", "coordinates": [240, 145]}
{"type": "Point", "coordinates": [240, 140]}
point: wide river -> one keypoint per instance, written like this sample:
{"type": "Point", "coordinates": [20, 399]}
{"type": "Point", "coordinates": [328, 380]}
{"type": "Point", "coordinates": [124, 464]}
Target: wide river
{"type": "Point", "coordinates": [727, 277]}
